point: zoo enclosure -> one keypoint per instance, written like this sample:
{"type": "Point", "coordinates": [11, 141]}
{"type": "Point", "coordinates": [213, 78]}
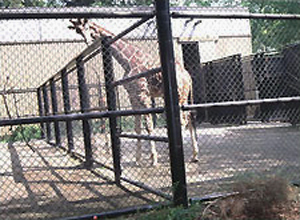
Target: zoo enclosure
{"type": "Point", "coordinates": [58, 113]}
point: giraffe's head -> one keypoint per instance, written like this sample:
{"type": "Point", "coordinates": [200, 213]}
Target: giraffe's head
{"type": "Point", "coordinates": [82, 27]}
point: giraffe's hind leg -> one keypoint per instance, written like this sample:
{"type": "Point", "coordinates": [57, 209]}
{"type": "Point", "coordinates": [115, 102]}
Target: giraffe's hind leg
{"type": "Point", "coordinates": [187, 121]}
{"type": "Point", "coordinates": [193, 134]}
{"type": "Point", "coordinates": [138, 155]}
{"type": "Point", "coordinates": [149, 128]}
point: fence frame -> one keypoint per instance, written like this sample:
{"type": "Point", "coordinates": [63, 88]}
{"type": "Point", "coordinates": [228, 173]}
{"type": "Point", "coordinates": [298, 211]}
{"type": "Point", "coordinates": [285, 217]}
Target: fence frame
{"type": "Point", "coordinates": [112, 106]}
{"type": "Point", "coordinates": [171, 102]}
{"type": "Point", "coordinates": [172, 109]}
{"type": "Point", "coordinates": [67, 109]}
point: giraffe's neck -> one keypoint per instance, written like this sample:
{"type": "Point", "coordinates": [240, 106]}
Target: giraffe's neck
{"type": "Point", "coordinates": [129, 56]}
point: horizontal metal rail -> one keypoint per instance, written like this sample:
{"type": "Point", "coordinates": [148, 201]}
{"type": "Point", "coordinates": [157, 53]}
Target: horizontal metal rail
{"type": "Point", "coordinates": [240, 103]}
{"type": "Point", "coordinates": [93, 115]}
{"type": "Point", "coordinates": [65, 13]}
{"type": "Point", "coordinates": [144, 137]}
{"type": "Point", "coordinates": [89, 12]}
{"type": "Point", "coordinates": [131, 28]}
{"type": "Point", "coordinates": [120, 212]}
{"type": "Point", "coordinates": [147, 188]}
{"type": "Point", "coordinates": [137, 76]}
{"type": "Point", "coordinates": [16, 43]}
{"type": "Point", "coordinates": [17, 91]}
{"type": "Point", "coordinates": [236, 16]}
{"type": "Point", "coordinates": [78, 110]}
{"type": "Point", "coordinates": [81, 116]}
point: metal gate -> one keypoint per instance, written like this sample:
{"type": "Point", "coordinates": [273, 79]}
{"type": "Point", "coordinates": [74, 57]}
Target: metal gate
{"type": "Point", "coordinates": [87, 130]}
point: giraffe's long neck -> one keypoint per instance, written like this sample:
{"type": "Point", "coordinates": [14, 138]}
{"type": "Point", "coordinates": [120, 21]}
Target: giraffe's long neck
{"type": "Point", "coordinates": [129, 56]}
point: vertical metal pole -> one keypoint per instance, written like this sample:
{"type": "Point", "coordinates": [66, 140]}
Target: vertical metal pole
{"type": "Point", "coordinates": [55, 110]}
{"type": "Point", "coordinates": [84, 105]}
{"type": "Point", "coordinates": [171, 102]}
{"type": "Point", "coordinates": [46, 111]}
{"type": "Point", "coordinates": [67, 108]}
{"type": "Point", "coordinates": [111, 102]}
{"type": "Point", "coordinates": [41, 110]}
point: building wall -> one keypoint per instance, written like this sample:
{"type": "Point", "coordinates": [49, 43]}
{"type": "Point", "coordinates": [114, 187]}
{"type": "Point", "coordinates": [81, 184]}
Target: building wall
{"type": "Point", "coordinates": [218, 47]}
{"type": "Point", "coordinates": [28, 65]}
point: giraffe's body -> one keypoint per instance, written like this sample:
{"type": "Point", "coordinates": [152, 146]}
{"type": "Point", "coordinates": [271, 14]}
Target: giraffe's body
{"type": "Point", "coordinates": [134, 61]}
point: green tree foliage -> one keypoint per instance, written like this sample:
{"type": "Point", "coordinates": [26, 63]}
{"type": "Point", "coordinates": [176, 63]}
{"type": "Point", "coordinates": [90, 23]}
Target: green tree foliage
{"type": "Point", "coordinates": [270, 35]}
{"type": "Point", "coordinates": [29, 3]}
{"type": "Point", "coordinates": [72, 3]}
{"type": "Point", "coordinates": [267, 35]}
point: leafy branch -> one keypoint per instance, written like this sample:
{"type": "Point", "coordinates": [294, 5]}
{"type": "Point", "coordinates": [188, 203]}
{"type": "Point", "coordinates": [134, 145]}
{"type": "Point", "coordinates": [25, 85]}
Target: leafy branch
{"type": "Point", "coordinates": [20, 129]}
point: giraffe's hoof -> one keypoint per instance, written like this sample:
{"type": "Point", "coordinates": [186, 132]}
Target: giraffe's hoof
{"type": "Point", "coordinates": [195, 160]}
{"type": "Point", "coordinates": [154, 164]}
{"type": "Point", "coordinates": [153, 158]}
{"type": "Point", "coordinates": [137, 163]}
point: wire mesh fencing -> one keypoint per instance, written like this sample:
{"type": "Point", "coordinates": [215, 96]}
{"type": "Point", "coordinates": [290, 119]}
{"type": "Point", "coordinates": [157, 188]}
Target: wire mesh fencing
{"type": "Point", "coordinates": [248, 115]}
{"type": "Point", "coordinates": [89, 123]}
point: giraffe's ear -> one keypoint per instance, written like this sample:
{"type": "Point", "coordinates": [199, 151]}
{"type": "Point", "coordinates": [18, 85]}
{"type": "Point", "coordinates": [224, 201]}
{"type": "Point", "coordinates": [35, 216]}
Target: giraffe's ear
{"type": "Point", "coordinates": [72, 21]}
{"type": "Point", "coordinates": [82, 21]}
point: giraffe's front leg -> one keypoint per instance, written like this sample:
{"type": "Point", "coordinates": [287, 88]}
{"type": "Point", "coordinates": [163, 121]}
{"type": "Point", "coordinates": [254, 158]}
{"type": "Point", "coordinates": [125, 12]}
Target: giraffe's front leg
{"type": "Point", "coordinates": [187, 120]}
{"type": "Point", "coordinates": [149, 127]}
{"type": "Point", "coordinates": [139, 143]}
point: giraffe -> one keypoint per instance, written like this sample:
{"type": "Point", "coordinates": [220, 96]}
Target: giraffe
{"type": "Point", "coordinates": [134, 61]}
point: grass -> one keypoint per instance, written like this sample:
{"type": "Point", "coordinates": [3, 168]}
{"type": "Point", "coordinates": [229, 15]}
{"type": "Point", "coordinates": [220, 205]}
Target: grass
{"type": "Point", "coordinates": [177, 213]}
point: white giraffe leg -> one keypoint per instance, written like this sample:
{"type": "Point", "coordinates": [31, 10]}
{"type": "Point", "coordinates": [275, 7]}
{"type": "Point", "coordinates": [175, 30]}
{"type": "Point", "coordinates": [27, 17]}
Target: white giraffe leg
{"type": "Point", "coordinates": [186, 121]}
{"type": "Point", "coordinates": [149, 128]}
{"type": "Point", "coordinates": [138, 130]}
{"type": "Point", "coordinates": [193, 134]}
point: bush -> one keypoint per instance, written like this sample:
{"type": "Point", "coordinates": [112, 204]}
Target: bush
{"type": "Point", "coordinates": [23, 132]}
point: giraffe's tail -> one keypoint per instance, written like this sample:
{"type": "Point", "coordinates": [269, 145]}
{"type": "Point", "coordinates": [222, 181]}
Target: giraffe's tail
{"type": "Point", "coordinates": [193, 113]}
{"type": "Point", "coordinates": [191, 94]}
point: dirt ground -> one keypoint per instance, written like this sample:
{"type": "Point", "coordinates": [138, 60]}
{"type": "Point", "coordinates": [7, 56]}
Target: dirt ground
{"type": "Point", "coordinates": [227, 154]}
{"type": "Point", "coordinates": [48, 184]}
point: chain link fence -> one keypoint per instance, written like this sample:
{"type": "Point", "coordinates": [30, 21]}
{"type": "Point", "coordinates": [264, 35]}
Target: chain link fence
{"type": "Point", "coordinates": [84, 128]}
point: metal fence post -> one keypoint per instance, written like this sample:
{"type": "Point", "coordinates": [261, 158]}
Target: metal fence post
{"type": "Point", "coordinates": [55, 110]}
{"type": "Point", "coordinates": [41, 110]}
{"type": "Point", "coordinates": [46, 112]}
{"type": "Point", "coordinates": [84, 105]}
{"type": "Point", "coordinates": [67, 108]}
{"type": "Point", "coordinates": [111, 102]}
{"type": "Point", "coordinates": [171, 102]}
